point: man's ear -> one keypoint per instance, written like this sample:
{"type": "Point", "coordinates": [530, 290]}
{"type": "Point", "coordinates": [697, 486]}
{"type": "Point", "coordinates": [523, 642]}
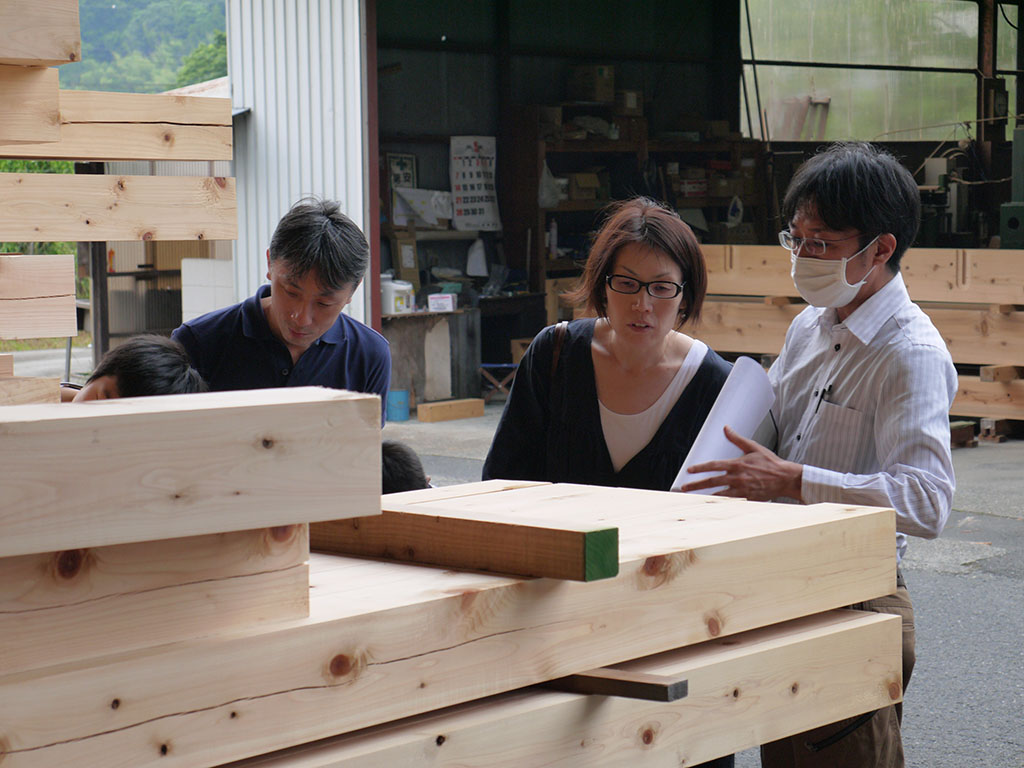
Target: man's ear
{"type": "Point", "coordinates": [885, 248]}
{"type": "Point", "coordinates": [268, 263]}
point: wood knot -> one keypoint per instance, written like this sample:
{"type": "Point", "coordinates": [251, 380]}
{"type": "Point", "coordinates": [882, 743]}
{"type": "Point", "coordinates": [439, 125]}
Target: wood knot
{"type": "Point", "coordinates": [647, 736]}
{"type": "Point", "coordinates": [794, 688]}
{"type": "Point", "coordinates": [164, 749]}
{"type": "Point", "coordinates": [168, 137]}
{"type": "Point", "coordinates": [340, 665]}
{"type": "Point", "coordinates": [72, 56]}
{"type": "Point", "coordinates": [115, 704]}
{"type": "Point", "coordinates": [147, 236]}
{"type": "Point", "coordinates": [268, 443]}
{"type": "Point", "coordinates": [440, 740]}
{"type": "Point", "coordinates": [282, 533]}
{"type": "Point", "coordinates": [120, 184]}
{"type": "Point", "coordinates": [895, 690]}
{"type": "Point", "coordinates": [735, 693]}
{"type": "Point", "coordinates": [69, 563]}
{"type": "Point", "coordinates": [220, 181]}
{"type": "Point", "coordinates": [200, 236]}
{"type": "Point", "coordinates": [655, 566]}
{"type": "Point", "coordinates": [714, 626]}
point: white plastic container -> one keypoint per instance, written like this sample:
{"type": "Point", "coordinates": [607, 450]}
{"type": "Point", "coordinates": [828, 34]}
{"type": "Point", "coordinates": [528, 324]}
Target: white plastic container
{"type": "Point", "coordinates": [396, 296]}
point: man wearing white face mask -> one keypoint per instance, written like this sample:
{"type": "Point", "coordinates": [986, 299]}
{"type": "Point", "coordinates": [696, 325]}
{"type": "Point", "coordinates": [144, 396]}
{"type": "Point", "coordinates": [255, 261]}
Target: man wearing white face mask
{"type": "Point", "coordinates": [863, 388]}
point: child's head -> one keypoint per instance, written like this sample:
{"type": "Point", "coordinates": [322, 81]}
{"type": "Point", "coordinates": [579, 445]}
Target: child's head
{"type": "Point", "coordinates": [142, 366]}
{"type": "Point", "coordinates": [401, 469]}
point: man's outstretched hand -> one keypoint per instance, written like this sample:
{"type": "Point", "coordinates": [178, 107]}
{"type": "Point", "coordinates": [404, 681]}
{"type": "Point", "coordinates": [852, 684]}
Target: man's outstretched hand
{"type": "Point", "coordinates": [758, 474]}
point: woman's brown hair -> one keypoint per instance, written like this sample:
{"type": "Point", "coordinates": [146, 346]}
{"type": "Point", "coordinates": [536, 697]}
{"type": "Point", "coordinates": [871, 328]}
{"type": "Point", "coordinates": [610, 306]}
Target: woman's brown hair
{"type": "Point", "coordinates": [648, 223]}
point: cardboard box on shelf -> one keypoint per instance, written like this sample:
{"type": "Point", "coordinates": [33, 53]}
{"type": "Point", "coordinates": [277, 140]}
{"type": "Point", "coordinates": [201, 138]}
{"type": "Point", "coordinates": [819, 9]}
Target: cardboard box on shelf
{"type": "Point", "coordinates": [583, 186]}
{"type": "Point", "coordinates": [592, 83]}
{"type": "Point", "coordinates": [629, 103]}
{"type": "Point", "coordinates": [693, 187]}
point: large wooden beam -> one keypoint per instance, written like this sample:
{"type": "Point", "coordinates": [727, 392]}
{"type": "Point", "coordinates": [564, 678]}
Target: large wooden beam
{"type": "Point", "coordinates": [37, 296]}
{"type": "Point", "coordinates": [993, 400]}
{"type": "Point", "coordinates": [149, 468]}
{"type": "Point", "coordinates": [83, 603]}
{"type": "Point", "coordinates": [117, 141]}
{"type": "Point", "coordinates": [119, 126]}
{"type": "Point", "coordinates": [30, 104]}
{"type": "Point", "coordinates": [42, 207]}
{"type": "Point", "coordinates": [985, 276]}
{"type": "Point", "coordinates": [388, 640]}
{"type": "Point", "coordinates": [33, 276]}
{"type": "Point", "coordinates": [39, 32]}
{"type": "Point", "coordinates": [753, 688]}
{"type": "Point", "coordinates": [519, 544]}
{"type": "Point", "coordinates": [108, 107]}
{"type": "Point", "coordinates": [21, 390]}
{"type": "Point", "coordinates": [6, 364]}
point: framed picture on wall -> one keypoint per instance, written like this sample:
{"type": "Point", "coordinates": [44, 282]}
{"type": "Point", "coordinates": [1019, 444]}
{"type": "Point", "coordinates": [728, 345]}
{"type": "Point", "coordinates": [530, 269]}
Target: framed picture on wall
{"type": "Point", "coordinates": [401, 169]}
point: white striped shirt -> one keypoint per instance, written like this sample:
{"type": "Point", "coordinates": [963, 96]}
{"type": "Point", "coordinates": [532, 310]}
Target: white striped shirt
{"type": "Point", "coordinates": [864, 406]}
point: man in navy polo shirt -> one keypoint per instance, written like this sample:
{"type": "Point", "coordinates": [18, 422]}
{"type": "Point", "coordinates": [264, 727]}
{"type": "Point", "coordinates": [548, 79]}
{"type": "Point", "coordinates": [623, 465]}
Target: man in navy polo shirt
{"type": "Point", "coordinates": [293, 333]}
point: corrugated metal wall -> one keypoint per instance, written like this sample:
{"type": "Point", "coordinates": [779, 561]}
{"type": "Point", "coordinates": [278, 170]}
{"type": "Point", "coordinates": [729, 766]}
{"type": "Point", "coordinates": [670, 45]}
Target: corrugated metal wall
{"type": "Point", "coordinates": [298, 67]}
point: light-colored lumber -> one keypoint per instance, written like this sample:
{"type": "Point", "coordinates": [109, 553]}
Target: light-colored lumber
{"type": "Point", "coordinates": [39, 32]}
{"type": "Point", "coordinates": [753, 688]}
{"type": "Point", "coordinates": [37, 296]}
{"type": "Point", "coordinates": [33, 276]}
{"type": "Point", "coordinates": [993, 400]}
{"type": "Point", "coordinates": [609, 681]}
{"type": "Point", "coordinates": [106, 107]}
{"type": "Point", "coordinates": [30, 104]}
{"type": "Point", "coordinates": [781, 301]}
{"type": "Point", "coordinates": [42, 318]}
{"type": "Point", "coordinates": [447, 410]}
{"type": "Point", "coordinates": [979, 336]}
{"type": "Point", "coordinates": [1002, 372]}
{"type": "Point", "coordinates": [986, 276]}
{"type": "Point", "coordinates": [129, 141]}
{"type": "Point", "coordinates": [43, 207]}
{"type": "Point", "coordinates": [148, 468]}
{"type": "Point", "coordinates": [6, 364]}
{"type": "Point", "coordinates": [21, 390]}
{"type": "Point", "coordinates": [752, 327]}
{"type": "Point", "coordinates": [84, 603]}
{"type": "Point", "coordinates": [458, 491]}
{"type": "Point", "coordinates": [518, 544]}
{"type": "Point", "coordinates": [387, 640]}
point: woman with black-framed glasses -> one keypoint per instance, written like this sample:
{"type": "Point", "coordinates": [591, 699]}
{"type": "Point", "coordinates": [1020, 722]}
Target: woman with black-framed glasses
{"type": "Point", "coordinates": [617, 399]}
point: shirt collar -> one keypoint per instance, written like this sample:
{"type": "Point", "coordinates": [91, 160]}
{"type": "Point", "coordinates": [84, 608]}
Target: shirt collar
{"type": "Point", "coordinates": [867, 320]}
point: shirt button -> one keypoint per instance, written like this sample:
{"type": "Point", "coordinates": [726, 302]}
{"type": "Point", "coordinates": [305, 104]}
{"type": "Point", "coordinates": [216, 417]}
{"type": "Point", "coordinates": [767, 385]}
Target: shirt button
{"type": "Point", "coordinates": [815, 393]}
{"type": "Point", "coordinates": [798, 437]}
{"type": "Point", "coordinates": [284, 372]}
{"type": "Point", "coordinates": [837, 347]}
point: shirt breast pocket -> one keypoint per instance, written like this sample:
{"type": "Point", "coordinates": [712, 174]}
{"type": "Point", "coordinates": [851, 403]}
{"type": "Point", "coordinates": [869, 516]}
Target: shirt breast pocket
{"type": "Point", "coordinates": [841, 439]}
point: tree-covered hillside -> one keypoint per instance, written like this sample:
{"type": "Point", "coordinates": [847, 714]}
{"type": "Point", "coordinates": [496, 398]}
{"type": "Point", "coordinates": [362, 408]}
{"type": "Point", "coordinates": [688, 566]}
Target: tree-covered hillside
{"type": "Point", "coordinates": [141, 46]}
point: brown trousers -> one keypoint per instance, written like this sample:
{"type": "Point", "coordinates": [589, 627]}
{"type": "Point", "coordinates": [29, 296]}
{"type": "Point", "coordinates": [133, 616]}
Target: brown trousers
{"type": "Point", "coordinates": [872, 740]}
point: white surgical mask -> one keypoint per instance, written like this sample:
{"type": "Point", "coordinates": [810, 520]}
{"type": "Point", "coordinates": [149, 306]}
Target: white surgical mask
{"type": "Point", "coordinates": [822, 282]}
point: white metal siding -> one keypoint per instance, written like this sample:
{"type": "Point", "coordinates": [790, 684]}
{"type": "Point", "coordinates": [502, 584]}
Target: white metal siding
{"type": "Point", "coordinates": [298, 67]}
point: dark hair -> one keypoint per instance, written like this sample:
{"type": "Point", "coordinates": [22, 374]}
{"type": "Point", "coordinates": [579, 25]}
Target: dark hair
{"type": "Point", "coordinates": [648, 223]}
{"type": "Point", "coordinates": [401, 469]}
{"type": "Point", "coordinates": [855, 185]}
{"type": "Point", "coordinates": [315, 236]}
{"type": "Point", "coordinates": [150, 365]}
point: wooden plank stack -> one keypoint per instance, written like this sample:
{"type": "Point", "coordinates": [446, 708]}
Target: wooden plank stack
{"type": "Point", "coordinates": [975, 298]}
{"type": "Point", "coordinates": [120, 653]}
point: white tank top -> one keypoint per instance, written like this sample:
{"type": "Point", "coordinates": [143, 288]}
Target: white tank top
{"type": "Point", "coordinates": [626, 434]}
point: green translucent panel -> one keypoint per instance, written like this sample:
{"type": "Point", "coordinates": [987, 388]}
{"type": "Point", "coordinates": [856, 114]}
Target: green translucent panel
{"type": "Point", "coordinates": [933, 33]}
{"type": "Point", "coordinates": [863, 104]}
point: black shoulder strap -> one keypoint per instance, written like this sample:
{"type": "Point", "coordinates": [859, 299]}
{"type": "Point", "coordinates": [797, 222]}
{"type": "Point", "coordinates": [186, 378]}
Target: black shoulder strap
{"type": "Point", "coordinates": [560, 331]}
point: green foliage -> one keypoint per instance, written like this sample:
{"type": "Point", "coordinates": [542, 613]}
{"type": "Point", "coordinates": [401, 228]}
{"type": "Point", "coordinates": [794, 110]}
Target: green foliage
{"type": "Point", "coordinates": [36, 166]}
{"type": "Point", "coordinates": [139, 46]}
{"type": "Point", "coordinates": [206, 62]}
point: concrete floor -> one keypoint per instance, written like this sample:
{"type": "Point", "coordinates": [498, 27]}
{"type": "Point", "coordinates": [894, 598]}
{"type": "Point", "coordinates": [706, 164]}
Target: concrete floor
{"type": "Point", "coordinates": [965, 703]}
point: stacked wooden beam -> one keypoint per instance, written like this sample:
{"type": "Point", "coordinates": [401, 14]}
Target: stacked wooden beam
{"type": "Point", "coordinates": [385, 641]}
{"type": "Point", "coordinates": [975, 298]}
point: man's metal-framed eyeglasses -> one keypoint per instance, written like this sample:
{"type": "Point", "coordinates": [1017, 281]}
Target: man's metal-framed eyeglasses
{"type": "Point", "coordinates": [658, 289]}
{"type": "Point", "coordinates": [811, 246]}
